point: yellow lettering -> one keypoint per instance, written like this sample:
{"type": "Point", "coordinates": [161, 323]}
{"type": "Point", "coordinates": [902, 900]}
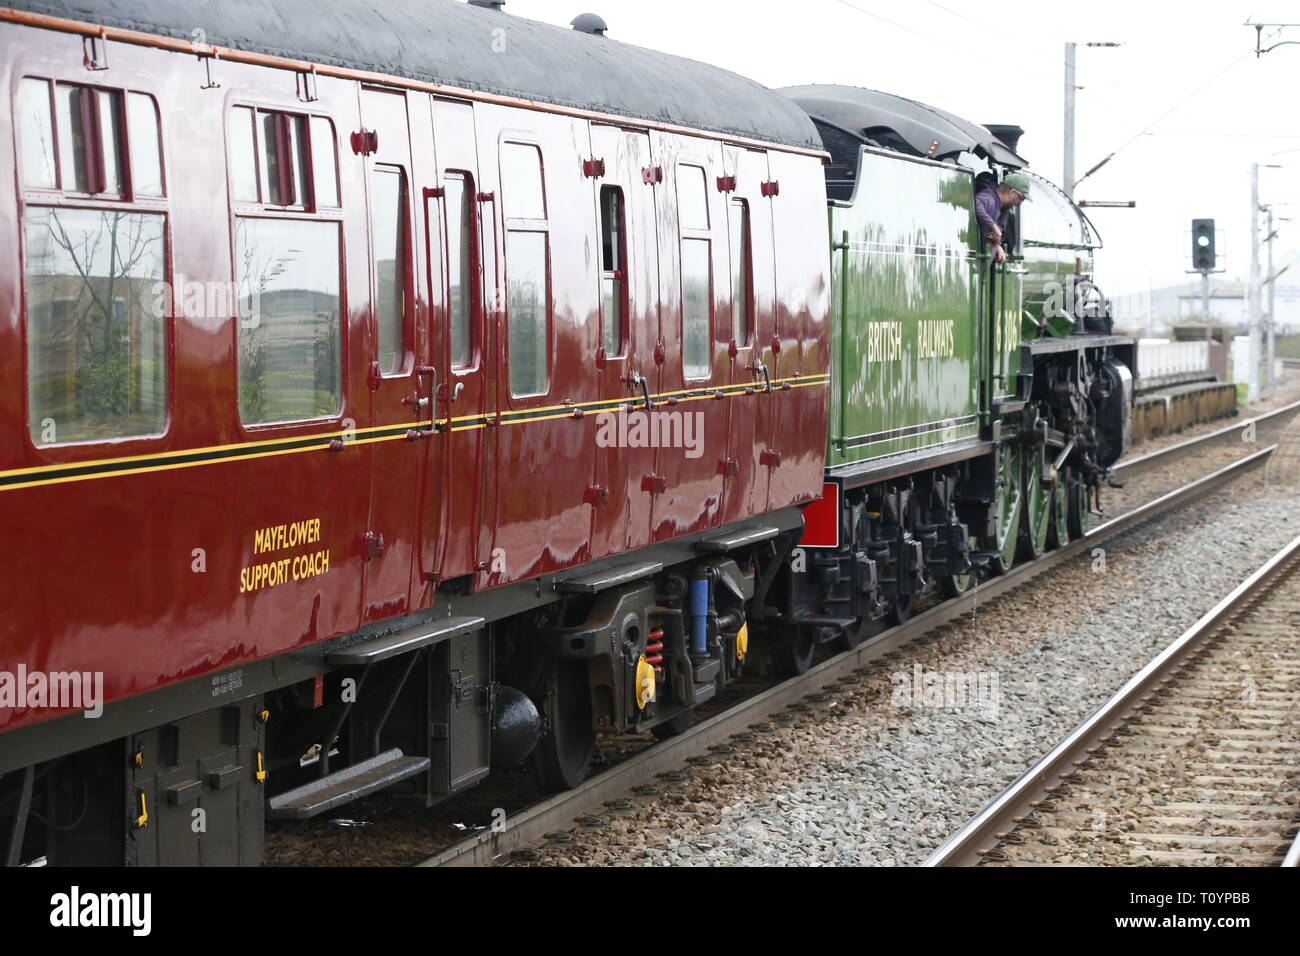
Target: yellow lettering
{"type": "Point", "coordinates": [294, 568]}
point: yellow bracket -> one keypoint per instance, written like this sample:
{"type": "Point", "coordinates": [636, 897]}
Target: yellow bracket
{"type": "Point", "coordinates": [142, 820]}
{"type": "Point", "coordinates": [645, 683]}
{"type": "Point", "coordinates": [261, 771]}
{"type": "Point", "coordinates": [742, 642]}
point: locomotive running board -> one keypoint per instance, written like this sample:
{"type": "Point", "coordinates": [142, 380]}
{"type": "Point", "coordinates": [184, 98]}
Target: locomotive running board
{"type": "Point", "coordinates": [599, 581]}
{"type": "Point", "coordinates": [413, 638]}
{"type": "Point", "coordinates": [737, 539]}
{"type": "Point", "coordinates": [858, 473]}
{"type": "Point", "coordinates": [344, 786]}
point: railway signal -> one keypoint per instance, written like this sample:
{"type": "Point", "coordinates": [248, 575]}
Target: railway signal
{"type": "Point", "coordinates": [1203, 257]}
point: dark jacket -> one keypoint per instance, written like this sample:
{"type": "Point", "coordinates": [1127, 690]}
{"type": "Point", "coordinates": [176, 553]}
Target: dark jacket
{"type": "Point", "coordinates": [988, 208]}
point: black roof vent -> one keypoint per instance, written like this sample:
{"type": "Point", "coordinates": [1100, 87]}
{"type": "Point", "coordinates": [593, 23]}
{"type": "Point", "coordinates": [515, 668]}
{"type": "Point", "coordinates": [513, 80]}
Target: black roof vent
{"type": "Point", "coordinates": [1008, 135]}
{"type": "Point", "coordinates": [490, 4]}
{"type": "Point", "coordinates": [590, 23]}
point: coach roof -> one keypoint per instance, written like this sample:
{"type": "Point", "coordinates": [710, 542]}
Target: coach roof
{"type": "Point", "coordinates": [453, 44]}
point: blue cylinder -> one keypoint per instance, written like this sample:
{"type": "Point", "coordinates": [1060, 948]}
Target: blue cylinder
{"type": "Point", "coordinates": [700, 616]}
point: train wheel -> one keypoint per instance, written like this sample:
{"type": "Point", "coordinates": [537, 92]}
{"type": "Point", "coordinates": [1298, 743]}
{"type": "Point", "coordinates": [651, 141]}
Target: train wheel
{"type": "Point", "coordinates": [677, 724]}
{"type": "Point", "coordinates": [1038, 505]}
{"type": "Point", "coordinates": [1058, 528]}
{"type": "Point", "coordinates": [792, 648]}
{"type": "Point", "coordinates": [796, 652]}
{"type": "Point", "coordinates": [563, 756]}
{"type": "Point", "coordinates": [1077, 506]}
{"type": "Point", "coordinates": [901, 611]}
{"type": "Point", "coordinates": [1008, 507]}
{"type": "Point", "coordinates": [955, 585]}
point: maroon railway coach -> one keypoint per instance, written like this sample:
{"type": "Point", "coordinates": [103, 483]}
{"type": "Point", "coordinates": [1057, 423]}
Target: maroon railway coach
{"type": "Point", "coordinates": [390, 387]}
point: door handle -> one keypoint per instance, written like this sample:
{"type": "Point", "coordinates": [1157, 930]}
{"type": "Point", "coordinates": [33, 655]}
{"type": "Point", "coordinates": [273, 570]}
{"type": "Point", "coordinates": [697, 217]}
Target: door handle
{"type": "Point", "coordinates": [640, 381]}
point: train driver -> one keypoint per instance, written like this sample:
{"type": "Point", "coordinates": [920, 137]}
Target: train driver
{"type": "Point", "coordinates": [993, 204]}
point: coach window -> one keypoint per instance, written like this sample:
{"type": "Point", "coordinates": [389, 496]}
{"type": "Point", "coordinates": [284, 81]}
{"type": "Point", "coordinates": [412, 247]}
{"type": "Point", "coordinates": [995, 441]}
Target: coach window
{"type": "Point", "coordinates": [388, 241]}
{"type": "Point", "coordinates": [697, 272]}
{"type": "Point", "coordinates": [288, 291]}
{"type": "Point", "coordinates": [89, 124]}
{"type": "Point", "coordinates": [243, 155]}
{"type": "Point", "coordinates": [280, 138]}
{"type": "Point", "coordinates": [613, 277]}
{"type": "Point", "coordinates": [435, 244]}
{"type": "Point", "coordinates": [146, 154]}
{"type": "Point", "coordinates": [287, 287]}
{"type": "Point", "coordinates": [528, 304]}
{"type": "Point", "coordinates": [283, 160]}
{"type": "Point", "coordinates": [95, 319]}
{"type": "Point", "coordinates": [36, 134]}
{"type": "Point", "coordinates": [742, 268]}
{"type": "Point", "coordinates": [461, 288]}
{"type": "Point", "coordinates": [324, 162]}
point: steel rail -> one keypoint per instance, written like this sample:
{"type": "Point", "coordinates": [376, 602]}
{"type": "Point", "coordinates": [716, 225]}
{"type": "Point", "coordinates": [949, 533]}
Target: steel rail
{"type": "Point", "coordinates": [986, 829]}
{"type": "Point", "coordinates": [530, 825]}
{"type": "Point", "coordinates": [1293, 854]}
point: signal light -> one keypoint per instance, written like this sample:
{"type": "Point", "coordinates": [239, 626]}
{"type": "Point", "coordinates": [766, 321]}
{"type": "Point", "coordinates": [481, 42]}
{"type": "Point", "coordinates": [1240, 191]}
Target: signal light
{"type": "Point", "coordinates": [1203, 257]}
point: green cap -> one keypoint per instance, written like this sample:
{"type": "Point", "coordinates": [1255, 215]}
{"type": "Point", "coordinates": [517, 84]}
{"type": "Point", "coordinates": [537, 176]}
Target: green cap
{"type": "Point", "coordinates": [1019, 182]}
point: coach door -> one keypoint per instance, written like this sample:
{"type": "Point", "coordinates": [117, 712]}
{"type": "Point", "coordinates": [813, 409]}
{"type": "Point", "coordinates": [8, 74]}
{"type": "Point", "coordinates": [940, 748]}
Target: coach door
{"type": "Point", "coordinates": [749, 286]}
{"type": "Point", "coordinates": [466, 390]}
{"type": "Point", "coordinates": [624, 354]}
{"type": "Point", "coordinates": [400, 396]}
{"type": "Point", "coordinates": [693, 272]}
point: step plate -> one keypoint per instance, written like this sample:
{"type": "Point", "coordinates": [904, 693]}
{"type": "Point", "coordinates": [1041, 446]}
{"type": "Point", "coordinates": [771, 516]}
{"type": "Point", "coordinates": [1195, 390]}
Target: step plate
{"type": "Point", "coordinates": [344, 786]}
{"type": "Point", "coordinates": [403, 642]}
{"type": "Point", "coordinates": [737, 539]}
{"type": "Point", "coordinates": [610, 577]}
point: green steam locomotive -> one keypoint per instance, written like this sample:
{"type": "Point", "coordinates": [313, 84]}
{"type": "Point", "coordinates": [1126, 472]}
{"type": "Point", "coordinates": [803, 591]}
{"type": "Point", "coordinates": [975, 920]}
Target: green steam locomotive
{"type": "Point", "coordinates": [976, 405]}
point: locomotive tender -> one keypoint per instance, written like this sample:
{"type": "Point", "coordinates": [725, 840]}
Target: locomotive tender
{"type": "Point", "coordinates": [403, 389]}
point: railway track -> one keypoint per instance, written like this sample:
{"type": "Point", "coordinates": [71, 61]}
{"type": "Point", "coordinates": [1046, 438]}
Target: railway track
{"type": "Point", "coordinates": [559, 812]}
{"type": "Point", "coordinates": [1195, 761]}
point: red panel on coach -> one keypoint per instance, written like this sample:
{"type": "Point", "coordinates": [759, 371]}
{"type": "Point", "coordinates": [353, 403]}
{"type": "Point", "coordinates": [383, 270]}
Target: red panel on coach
{"type": "Point", "coordinates": [821, 520]}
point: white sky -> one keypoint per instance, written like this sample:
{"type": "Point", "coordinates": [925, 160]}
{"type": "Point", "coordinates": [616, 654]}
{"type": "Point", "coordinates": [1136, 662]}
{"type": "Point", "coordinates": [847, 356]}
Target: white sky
{"type": "Point", "coordinates": [954, 55]}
